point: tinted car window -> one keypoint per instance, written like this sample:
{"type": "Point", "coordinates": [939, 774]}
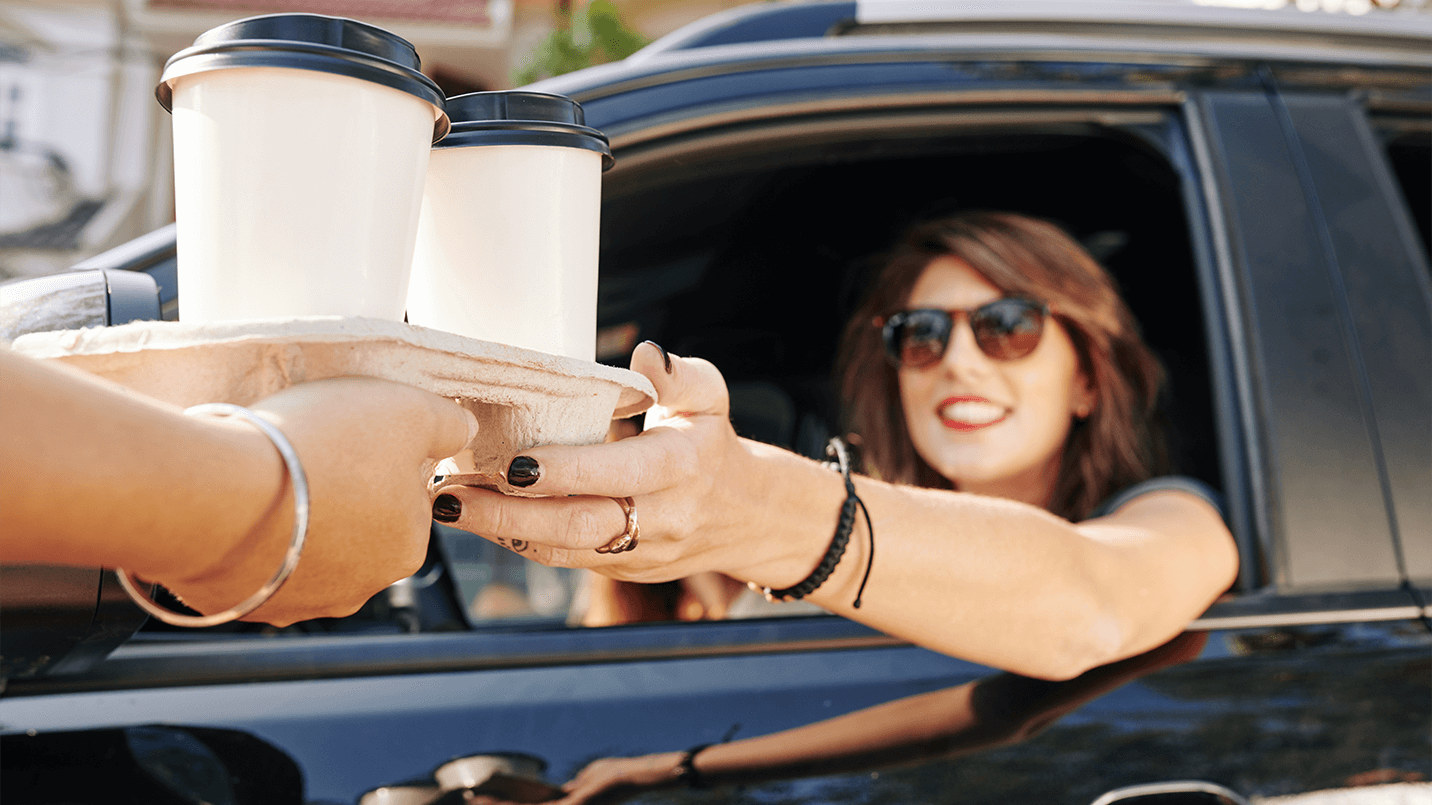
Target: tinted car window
{"type": "Point", "coordinates": [1410, 154]}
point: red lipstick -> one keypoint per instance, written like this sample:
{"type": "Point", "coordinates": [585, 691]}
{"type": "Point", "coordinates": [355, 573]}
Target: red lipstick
{"type": "Point", "coordinates": [974, 419]}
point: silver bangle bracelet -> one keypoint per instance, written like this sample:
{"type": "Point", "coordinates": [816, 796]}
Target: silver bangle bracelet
{"type": "Point", "coordinates": [295, 545]}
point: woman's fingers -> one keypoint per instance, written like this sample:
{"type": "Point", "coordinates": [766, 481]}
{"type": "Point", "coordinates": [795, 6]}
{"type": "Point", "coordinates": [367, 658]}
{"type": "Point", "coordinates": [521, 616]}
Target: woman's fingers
{"type": "Point", "coordinates": [612, 780]}
{"type": "Point", "coordinates": [684, 386]}
{"type": "Point", "coordinates": [636, 466]}
{"type": "Point", "coordinates": [562, 523]}
{"type": "Point", "coordinates": [690, 390]}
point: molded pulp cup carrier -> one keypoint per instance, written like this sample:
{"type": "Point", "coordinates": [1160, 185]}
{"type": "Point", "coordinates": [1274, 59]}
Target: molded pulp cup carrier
{"type": "Point", "coordinates": [301, 143]}
{"type": "Point", "coordinates": [507, 241]}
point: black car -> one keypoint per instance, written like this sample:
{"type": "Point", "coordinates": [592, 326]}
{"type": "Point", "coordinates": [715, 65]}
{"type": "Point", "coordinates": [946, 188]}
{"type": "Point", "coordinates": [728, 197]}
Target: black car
{"type": "Point", "coordinates": [1259, 183]}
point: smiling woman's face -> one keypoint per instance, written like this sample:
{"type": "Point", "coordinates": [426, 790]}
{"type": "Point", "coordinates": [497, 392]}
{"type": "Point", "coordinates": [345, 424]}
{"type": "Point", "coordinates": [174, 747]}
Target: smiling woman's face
{"type": "Point", "coordinates": [992, 427]}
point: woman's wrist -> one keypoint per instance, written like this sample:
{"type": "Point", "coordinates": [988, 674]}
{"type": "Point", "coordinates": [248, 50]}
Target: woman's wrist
{"type": "Point", "coordinates": [665, 769]}
{"type": "Point", "coordinates": [797, 503]}
{"type": "Point", "coordinates": [686, 772]}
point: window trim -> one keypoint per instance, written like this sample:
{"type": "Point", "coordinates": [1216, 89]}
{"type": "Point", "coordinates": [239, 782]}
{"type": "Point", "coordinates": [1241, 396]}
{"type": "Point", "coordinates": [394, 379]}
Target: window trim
{"type": "Point", "coordinates": [1264, 611]}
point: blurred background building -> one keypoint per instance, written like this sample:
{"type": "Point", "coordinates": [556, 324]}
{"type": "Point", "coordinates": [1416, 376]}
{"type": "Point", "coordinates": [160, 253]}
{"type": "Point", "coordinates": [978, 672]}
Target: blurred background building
{"type": "Point", "coordinates": [85, 160]}
{"type": "Point", "coordinates": [84, 147]}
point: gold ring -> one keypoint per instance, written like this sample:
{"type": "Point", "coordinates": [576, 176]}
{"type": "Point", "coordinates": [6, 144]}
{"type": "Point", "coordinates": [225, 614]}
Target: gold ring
{"type": "Point", "coordinates": [625, 541]}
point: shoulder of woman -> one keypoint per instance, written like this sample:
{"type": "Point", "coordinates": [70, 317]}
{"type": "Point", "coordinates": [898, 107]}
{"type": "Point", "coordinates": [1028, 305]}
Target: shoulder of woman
{"type": "Point", "coordinates": [1163, 483]}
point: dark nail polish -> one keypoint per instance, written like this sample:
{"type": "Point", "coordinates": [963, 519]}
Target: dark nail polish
{"type": "Point", "coordinates": [446, 509]}
{"type": "Point", "coordinates": [665, 358]}
{"type": "Point", "coordinates": [523, 471]}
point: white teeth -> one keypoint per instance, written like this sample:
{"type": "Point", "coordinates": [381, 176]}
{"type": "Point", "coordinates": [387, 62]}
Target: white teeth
{"type": "Point", "coordinates": [972, 412]}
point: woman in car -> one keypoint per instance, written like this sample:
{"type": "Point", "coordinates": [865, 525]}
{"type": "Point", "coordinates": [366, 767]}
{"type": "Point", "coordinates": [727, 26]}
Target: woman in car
{"type": "Point", "coordinates": [1004, 400]}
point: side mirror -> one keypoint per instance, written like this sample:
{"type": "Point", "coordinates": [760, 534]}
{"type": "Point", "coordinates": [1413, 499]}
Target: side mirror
{"type": "Point", "coordinates": [91, 298]}
{"type": "Point", "coordinates": [1173, 792]}
{"type": "Point", "coordinates": [60, 620]}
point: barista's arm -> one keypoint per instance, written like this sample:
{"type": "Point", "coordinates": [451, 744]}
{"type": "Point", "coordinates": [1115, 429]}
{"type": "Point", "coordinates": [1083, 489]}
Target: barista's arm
{"type": "Point", "coordinates": [93, 474]}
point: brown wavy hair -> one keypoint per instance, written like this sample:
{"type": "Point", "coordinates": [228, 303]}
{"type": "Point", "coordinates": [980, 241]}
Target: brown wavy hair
{"type": "Point", "coordinates": [1117, 445]}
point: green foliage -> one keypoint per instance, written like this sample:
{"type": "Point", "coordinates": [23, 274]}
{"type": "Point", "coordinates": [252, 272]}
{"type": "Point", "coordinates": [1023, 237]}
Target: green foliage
{"type": "Point", "coordinates": [594, 35]}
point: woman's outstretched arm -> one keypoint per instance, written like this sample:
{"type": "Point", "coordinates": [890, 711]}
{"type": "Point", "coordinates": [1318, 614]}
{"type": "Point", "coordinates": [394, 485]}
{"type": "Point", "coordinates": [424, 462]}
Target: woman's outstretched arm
{"type": "Point", "coordinates": [93, 474]}
{"type": "Point", "coordinates": [993, 581]}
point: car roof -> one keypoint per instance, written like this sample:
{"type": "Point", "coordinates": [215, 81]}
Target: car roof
{"type": "Point", "coordinates": [792, 20]}
{"type": "Point", "coordinates": [1112, 30]}
{"type": "Point", "coordinates": [1319, 15]}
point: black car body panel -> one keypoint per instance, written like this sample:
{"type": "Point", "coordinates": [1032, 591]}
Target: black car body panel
{"type": "Point", "coordinates": [1262, 710]}
{"type": "Point", "coordinates": [1236, 177]}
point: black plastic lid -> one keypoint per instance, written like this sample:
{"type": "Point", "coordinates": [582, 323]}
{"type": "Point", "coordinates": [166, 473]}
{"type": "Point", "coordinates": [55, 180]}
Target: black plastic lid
{"type": "Point", "coordinates": [515, 117]}
{"type": "Point", "coordinates": [308, 42]}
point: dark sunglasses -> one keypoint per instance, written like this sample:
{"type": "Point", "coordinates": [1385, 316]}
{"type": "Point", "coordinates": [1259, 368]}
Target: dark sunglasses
{"type": "Point", "coordinates": [1005, 330]}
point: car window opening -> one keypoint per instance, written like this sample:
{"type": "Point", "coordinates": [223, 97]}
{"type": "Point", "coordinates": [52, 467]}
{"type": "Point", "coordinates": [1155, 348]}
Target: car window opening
{"type": "Point", "coordinates": [758, 269]}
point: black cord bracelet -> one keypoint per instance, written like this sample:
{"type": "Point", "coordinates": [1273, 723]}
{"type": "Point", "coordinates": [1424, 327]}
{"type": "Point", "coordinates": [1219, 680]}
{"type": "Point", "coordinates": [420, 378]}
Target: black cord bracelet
{"type": "Point", "coordinates": [838, 542]}
{"type": "Point", "coordinates": [686, 772]}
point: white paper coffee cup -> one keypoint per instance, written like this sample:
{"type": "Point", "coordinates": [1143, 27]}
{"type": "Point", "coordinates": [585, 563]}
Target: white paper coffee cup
{"type": "Point", "coordinates": [301, 145]}
{"type": "Point", "coordinates": [508, 237]}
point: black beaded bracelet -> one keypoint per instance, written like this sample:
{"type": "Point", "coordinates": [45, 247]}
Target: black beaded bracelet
{"type": "Point", "coordinates": [843, 529]}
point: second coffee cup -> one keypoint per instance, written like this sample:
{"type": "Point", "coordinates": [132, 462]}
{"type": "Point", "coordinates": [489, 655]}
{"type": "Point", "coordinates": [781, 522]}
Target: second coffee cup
{"type": "Point", "coordinates": [508, 236]}
{"type": "Point", "coordinates": [301, 143]}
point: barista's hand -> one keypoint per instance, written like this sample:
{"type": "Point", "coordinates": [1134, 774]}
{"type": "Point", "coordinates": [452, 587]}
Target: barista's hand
{"type": "Point", "coordinates": [701, 492]}
{"type": "Point", "coordinates": [368, 448]}
{"type": "Point", "coordinates": [98, 475]}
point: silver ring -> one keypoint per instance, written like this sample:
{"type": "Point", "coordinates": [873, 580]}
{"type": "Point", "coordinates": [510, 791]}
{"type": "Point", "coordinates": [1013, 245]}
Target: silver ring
{"type": "Point", "coordinates": [299, 481]}
{"type": "Point", "coordinates": [626, 540]}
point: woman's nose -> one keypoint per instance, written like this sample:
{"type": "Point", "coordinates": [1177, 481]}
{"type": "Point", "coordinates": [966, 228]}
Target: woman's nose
{"type": "Point", "coordinates": [963, 357]}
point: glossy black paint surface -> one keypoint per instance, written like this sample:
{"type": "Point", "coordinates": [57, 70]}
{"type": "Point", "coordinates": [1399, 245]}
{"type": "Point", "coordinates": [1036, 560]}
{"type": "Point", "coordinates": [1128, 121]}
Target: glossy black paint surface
{"type": "Point", "coordinates": [1268, 711]}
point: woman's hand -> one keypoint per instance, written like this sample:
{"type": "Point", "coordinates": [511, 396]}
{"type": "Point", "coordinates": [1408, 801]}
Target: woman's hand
{"type": "Point", "coordinates": [368, 448]}
{"type": "Point", "coordinates": [617, 779]}
{"type": "Point", "coordinates": [700, 492]}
